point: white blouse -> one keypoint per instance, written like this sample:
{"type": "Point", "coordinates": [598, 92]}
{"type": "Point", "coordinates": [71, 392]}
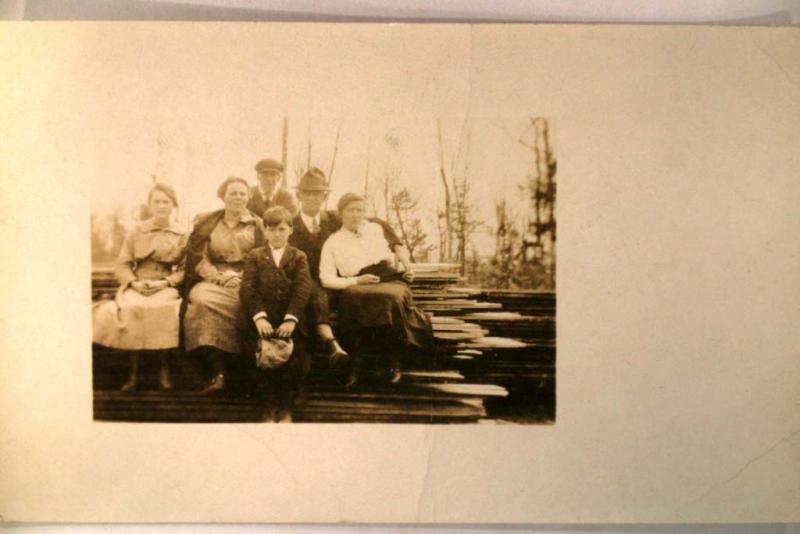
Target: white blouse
{"type": "Point", "coordinates": [345, 253]}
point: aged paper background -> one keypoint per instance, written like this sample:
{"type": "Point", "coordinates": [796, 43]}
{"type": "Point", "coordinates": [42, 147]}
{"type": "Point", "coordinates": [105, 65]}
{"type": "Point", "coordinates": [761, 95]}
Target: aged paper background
{"type": "Point", "coordinates": [678, 279]}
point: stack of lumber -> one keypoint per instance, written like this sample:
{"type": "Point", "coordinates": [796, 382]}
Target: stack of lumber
{"type": "Point", "coordinates": [104, 285]}
{"type": "Point", "coordinates": [424, 396]}
{"type": "Point", "coordinates": [494, 359]}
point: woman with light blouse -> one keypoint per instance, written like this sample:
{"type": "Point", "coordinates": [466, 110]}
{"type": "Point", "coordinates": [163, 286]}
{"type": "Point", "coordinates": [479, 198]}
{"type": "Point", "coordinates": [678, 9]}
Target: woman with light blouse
{"type": "Point", "coordinates": [144, 314]}
{"type": "Point", "coordinates": [373, 294]}
{"type": "Point", "coordinates": [214, 318]}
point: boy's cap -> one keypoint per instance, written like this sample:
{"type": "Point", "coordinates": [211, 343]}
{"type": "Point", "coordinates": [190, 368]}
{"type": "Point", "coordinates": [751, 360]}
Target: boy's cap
{"type": "Point", "coordinates": [273, 352]}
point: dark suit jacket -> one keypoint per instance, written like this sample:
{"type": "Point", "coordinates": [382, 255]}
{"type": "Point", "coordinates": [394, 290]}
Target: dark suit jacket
{"type": "Point", "coordinates": [329, 223]}
{"type": "Point", "coordinates": [302, 238]}
{"type": "Point", "coordinates": [276, 289]}
{"type": "Point", "coordinates": [281, 197]}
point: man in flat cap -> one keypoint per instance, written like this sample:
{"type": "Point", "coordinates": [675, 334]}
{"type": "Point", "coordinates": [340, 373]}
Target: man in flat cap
{"type": "Point", "coordinates": [312, 226]}
{"type": "Point", "coordinates": [267, 194]}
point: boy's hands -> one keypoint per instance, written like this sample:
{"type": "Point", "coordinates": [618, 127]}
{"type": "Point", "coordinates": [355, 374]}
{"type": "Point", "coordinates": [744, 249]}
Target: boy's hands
{"type": "Point", "coordinates": [264, 328]}
{"type": "Point", "coordinates": [286, 329]}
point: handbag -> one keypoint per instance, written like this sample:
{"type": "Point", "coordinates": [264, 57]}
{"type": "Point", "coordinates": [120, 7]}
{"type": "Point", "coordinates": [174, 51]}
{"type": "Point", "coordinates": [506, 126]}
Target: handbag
{"type": "Point", "coordinates": [384, 271]}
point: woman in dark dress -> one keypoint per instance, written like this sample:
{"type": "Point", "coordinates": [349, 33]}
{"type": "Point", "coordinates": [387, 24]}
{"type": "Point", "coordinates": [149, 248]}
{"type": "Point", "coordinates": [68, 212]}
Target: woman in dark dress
{"type": "Point", "coordinates": [373, 293]}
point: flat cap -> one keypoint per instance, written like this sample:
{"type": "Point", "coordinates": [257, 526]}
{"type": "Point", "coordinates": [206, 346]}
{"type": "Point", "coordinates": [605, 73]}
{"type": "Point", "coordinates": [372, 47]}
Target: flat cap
{"type": "Point", "coordinates": [267, 165]}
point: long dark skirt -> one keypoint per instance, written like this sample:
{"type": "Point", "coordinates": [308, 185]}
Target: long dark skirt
{"type": "Point", "coordinates": [389, 305]}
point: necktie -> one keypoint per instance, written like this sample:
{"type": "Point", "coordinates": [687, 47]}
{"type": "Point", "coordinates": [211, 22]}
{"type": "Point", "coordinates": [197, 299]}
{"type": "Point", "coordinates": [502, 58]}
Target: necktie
{"type": "Point", "coordinates": [315, 226]}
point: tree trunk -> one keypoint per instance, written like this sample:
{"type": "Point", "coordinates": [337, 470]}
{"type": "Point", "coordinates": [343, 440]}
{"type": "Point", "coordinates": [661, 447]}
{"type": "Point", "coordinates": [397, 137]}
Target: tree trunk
{"type": "Point", "coordinates": [285, 151]}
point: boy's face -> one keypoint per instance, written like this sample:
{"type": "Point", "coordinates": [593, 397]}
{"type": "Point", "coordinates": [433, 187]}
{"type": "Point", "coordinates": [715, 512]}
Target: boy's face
{"type": "Point", "coordinates": [278, 235]}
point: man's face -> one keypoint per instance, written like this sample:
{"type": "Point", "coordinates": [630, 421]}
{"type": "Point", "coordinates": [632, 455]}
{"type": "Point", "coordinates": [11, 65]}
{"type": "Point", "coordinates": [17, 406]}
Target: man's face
{"type": "Point", "coordinates": [311, 201]}
{"type": "Point", "coordinates": [268, 180]}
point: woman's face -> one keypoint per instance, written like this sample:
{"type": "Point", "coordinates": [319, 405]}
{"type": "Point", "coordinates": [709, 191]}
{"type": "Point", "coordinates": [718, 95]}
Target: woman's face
{"type": "Point", "coordinates": [160, 205]}
{"type": "Point", "coordinates": [236, 196]}
{"type": "Point", "coordinates": [353, 215]}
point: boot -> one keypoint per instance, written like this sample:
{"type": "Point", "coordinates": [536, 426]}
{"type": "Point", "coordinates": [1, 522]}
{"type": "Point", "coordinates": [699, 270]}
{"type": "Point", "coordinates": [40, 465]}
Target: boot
{"type": "Point", "coordinates": [395, 372]}
{"type": "Point", "coordinates": [217, 383]}
{"type": "Point", "coordinates": [353, 377]}
{"type": "Point", "coordinates": [218, 365]}
{"type": "Point", "coordinates": [133, 377]}
{"type": "Point", "coordinates": [164, 379]}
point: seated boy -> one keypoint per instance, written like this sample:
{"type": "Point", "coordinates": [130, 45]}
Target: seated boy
{"type": "Point", "coordinates": [276, 285]}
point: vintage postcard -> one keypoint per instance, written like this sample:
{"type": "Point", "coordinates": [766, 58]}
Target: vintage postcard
{"type": "Point", "coordinates": [399, 273]}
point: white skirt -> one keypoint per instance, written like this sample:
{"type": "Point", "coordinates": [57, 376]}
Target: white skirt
{"type": "Point", "coordinates": [138, 322]}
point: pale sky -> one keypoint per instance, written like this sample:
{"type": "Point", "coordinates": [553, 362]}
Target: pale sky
{"type": "Point", "coordinates": [195, 162]}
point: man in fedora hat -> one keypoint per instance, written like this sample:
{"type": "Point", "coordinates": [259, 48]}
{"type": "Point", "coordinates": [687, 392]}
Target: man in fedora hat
{"type": "Point", "coordinates": [267, 194]}
{"type": "Point", "coordinates": [312, 226]}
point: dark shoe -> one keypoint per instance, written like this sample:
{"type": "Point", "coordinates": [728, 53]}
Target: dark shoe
{"type": "Point", "coordinates": [302, 396]}
{"type": "Point", "coordinates": [352, 380]}
{"type": "Point", "coordinates": [395, 374]}
{"type": "Point", "coordinates": [164, 380]}
{"type": "Point", "coordinates": [337, 356]}
{"type": "Point", "coordinates": [217, 383]}
{"type": "Point", "coordinates": [282, 415]}
{"type": "Point", "coordinates": [131, 384]}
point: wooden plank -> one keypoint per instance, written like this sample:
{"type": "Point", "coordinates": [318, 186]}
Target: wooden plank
{"type": "Point", "coordinates": [477, 390]}
{"type": "Point", "coordinates": [447, 374]}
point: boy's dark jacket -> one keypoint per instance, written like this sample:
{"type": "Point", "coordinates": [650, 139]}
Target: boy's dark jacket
{"type": "Point", "coordinates": [274, 289]}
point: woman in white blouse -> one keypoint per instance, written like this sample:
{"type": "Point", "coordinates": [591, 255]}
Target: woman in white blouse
{"type": "Point", "coordinates": [374, 295]}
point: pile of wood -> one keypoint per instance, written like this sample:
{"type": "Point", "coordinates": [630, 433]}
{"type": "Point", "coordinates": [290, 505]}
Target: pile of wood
{"type": "Point", "coordinates": [494, 359]}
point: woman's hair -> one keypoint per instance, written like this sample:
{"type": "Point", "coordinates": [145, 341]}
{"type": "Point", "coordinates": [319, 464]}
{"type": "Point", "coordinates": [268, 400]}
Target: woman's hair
{"type": "Point", "coordinates": [223, 187]}
{"type": "Point", "coordinates": [277, 215]}
{"type": "Point", "coordinates": [167, 190]}
{"type": "Point", "coordinates": [348, 198]}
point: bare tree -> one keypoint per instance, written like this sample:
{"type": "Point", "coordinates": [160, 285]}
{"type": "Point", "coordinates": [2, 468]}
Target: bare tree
{"type": "Point", "coordinates": [366, 171]}
{"type": "Point", "coordinates": [333, 158]}
{"type": "Point", "coordinates": [284, 150]}
{"type": "Point", "coordinates": [308, 152]}
{"type": "Point", "coordinates": [463, 222]}
{"type": "Point", "coordinates": [404, 207]}
{"type": "Point", "coordinates": [529, 256]}
{"type": "Point", "coordinates": [445, 218]}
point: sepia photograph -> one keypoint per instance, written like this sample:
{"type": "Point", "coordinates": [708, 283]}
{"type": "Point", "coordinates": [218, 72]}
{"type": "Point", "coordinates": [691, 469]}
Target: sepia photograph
{"type": "Point", "coordinates": [330, 270]}
{"type": "Point", "coordinates": [398, 273]}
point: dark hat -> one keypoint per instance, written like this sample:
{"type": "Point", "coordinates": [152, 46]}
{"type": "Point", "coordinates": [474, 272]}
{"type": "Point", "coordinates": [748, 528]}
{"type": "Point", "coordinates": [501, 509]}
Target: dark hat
{"type": "Point", "coordinates": [269, 165]}
{"type": "Point", "coordinates": [313, 180]}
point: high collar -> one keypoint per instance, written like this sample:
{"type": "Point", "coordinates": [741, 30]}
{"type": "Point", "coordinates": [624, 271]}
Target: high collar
{"type": "Point", "coordinates": [264, 195]}
{"type": "Point", "coordinates": [359, 232]}
{"type": "Point", "coordinates": [244, 218]}
{"type": "Point", "coordinates": [308, 220]}
{"type": "Point", "coordinates": [149, 225]}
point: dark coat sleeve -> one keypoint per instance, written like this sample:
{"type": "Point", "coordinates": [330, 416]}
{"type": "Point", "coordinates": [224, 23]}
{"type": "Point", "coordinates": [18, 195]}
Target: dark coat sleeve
{"type": "Point", "coordinates": [301, 285]}
{"type": "Point", "coordinates": [248, 290]}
